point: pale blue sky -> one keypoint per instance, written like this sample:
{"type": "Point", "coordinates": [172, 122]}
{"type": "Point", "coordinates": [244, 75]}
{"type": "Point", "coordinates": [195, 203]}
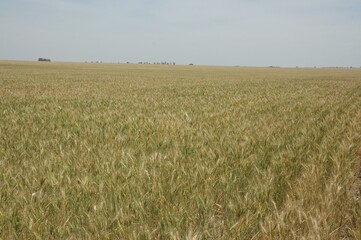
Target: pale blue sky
{"type": "Point", "coordinates": [227, 32]}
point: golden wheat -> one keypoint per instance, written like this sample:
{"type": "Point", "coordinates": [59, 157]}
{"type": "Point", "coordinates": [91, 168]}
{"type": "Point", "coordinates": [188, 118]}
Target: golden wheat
{"type": "Point", "coordinates": [111, 151]}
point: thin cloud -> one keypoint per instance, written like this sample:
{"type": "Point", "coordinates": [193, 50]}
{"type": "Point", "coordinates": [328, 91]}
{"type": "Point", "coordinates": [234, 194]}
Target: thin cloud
{"type": "Point", "coordinates": [243, 32]}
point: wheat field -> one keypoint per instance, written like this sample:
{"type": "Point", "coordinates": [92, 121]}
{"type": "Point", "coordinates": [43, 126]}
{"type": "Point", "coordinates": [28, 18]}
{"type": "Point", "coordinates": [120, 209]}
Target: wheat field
{"type": "Point", "coordinates": [117, 151]}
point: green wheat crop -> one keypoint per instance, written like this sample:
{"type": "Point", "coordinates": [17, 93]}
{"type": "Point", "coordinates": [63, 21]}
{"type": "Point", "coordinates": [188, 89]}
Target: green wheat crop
{"type": "Point", "coordinates": [112, 151]}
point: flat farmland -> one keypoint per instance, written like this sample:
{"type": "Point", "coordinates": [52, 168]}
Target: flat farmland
{"type": "Point", "coordinates": [122, 151]}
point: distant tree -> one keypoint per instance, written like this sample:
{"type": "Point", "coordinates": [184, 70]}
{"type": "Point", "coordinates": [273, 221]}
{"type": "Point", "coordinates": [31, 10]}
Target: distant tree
{"type": "Point", "coordinates": [43, 60]}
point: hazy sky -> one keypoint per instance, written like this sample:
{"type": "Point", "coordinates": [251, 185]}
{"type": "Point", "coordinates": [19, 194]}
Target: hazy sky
{"type": "Point", "coordinates": [227, 32]}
